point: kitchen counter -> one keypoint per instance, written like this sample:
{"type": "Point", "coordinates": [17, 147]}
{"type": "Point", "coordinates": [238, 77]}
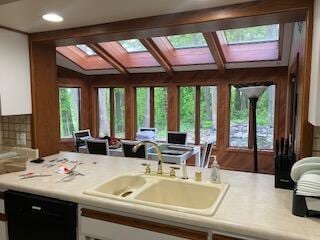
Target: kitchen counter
{"type": "Point", "coordinates": [252, 207]}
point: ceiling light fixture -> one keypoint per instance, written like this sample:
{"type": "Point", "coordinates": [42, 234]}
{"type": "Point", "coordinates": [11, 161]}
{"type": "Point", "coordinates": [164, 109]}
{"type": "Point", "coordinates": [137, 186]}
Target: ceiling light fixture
{"type": "Point", "coordinates": [52, 17]}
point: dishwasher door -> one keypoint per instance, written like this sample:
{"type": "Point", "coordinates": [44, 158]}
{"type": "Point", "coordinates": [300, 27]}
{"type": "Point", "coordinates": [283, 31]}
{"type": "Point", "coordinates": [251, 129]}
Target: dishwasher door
{"type": "Point", "coordinates": [32, 217]}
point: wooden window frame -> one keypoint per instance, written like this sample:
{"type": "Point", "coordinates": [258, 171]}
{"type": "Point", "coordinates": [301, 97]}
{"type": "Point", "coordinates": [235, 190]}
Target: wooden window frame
{"type": "Point", "coordinates": [197, 111]}
{"type": "Point", "coordinates": [151, 102]}
{"type": "Point", "coordinates": [111, 102]}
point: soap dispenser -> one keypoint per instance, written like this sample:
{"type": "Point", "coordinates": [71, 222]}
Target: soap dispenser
{"type": "Point", "coordinates": [215, 171]}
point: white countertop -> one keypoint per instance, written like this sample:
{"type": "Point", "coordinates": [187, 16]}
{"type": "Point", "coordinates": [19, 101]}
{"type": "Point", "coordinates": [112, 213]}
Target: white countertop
{"type": "Point", "coordinates": [252, 207]}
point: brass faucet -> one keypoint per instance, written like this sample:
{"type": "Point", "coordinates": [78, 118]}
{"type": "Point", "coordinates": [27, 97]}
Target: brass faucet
{"type": "Point", "coordinates": [158, 151]}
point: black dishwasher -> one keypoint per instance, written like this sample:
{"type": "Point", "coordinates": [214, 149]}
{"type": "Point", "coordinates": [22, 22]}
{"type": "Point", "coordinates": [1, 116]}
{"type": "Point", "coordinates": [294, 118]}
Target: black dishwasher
{"type": "Point", "coordinates": [32, 217]}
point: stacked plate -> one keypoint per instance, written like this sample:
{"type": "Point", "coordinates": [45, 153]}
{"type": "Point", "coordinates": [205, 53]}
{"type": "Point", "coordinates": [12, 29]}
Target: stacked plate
{"type": "Point", "coordinates": [309, 184]}
{"type": "Point", "coordinates": [306, 173]}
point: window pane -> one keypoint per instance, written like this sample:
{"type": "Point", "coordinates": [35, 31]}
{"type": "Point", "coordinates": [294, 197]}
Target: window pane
{"type": "Point", "coordinates": [69, 101]}
{"type": "Point", "coordinates": [160, 112]}
{"type": "Point", "coordinates": [265, 118]}
{"type": "Point", "coordinates": [104, 111]}
{"type": "Point", "coordinates": [119, 112]}
{"type": "Point", "coordinates": [192, 40]}
{"type": "Point", "coordinates": [187, 112]}
{"type": "Point", "coordinates": [86, 49]}
{"type": "Point", "coordinates": [132, 45]}
{"type": "Point", "coordinates": [239, 119]}
{"type": "Point", "coordinates": [208, 114]}
{"type": "Point", "coordinates": [143, 107]}
{"type": "Point", "coordinates": [265, 33]}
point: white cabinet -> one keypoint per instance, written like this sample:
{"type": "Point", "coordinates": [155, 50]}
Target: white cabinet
{"type": "Point", "coordinates": [314, 101]}
{"type": "Point", "coordinates": [3, 223]}
{"type": "Point", "coordinates": [98, 225]}
{"type": "Point", "coordinates": [15, 85]}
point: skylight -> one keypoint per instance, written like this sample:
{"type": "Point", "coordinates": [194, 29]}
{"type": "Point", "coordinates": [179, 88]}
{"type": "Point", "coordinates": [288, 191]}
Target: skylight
{"type": "Point", "coordinates": [266, 33]}
{"type": "Point", "coordinates": [191, 40]}
{"type": "Point", "coordinates": [84, 48]}
{"type": "Point", "coordinates": [132, 45]}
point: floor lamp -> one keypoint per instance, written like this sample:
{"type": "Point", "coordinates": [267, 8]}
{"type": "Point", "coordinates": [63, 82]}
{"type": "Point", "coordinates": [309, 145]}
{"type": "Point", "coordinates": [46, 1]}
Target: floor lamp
{"type": "Point", "coordinates": [253, 93]}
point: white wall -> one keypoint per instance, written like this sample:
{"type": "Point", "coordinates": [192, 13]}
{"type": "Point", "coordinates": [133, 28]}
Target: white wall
{"type": "Point", "coordinates": [15, 85]}
{"type": "Point", "coordinates": [314, 105]}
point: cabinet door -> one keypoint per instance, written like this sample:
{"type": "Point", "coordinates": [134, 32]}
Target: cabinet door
{"type": "Point", "coordinates": [105, 226]}
{"type": "Point", "coordinates": [3, 230]}
{"type": "Point", "coordinates": [15, 85]}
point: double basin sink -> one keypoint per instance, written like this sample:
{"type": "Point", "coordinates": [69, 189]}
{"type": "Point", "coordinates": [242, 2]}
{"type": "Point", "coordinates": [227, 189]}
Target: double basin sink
{"type": "Point", "coordinates": [187, 196]}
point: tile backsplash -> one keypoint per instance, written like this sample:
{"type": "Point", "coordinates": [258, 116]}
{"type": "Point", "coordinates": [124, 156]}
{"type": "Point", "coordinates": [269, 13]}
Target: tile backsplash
{"type": "Point", "coordinates": [15, 131]}
{"type": "Point", "coordinates": [316, 142]}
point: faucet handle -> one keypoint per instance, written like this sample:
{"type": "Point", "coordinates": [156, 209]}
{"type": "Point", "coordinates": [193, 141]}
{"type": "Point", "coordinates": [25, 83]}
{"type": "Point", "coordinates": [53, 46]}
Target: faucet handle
{"type": "Point", "coordinates": [147, 170]}
{"type": "Point", "coordinates": [172, 172]}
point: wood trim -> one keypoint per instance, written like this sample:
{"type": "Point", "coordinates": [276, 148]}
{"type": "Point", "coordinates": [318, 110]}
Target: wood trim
{"type": "Point", "coordinates": [197, 117]}
{"type": "Point", "coordinates": [281, 40]}
{"type": "Point", "coordinates": [1, 195]}
{"type": "Point", "coordinates": [108, 58]}
{"type": "Point", "coordinates": [154, 50]}
{"type": "Point", "coordinates": [3, 217]}
{"type": "Point", "coordinates": [152, 107]}
{"type": "Point", "coordinates": [220, 237]}
{"type": "Point", "coordinates": [112, 130]}
{"type": "Point", "coordinates": [143, 224]}
{"type": "Point", "coordinates": [205, 20]}
{"type": "Point", "coordinates": [215, 49]}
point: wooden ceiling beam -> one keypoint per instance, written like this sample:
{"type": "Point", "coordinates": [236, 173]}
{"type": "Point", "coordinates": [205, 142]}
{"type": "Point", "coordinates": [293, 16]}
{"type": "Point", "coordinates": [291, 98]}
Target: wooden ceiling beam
{"type": "Point", "coordinates": [100, 51]}
{"type": "Point", "coordinates": [215, 49]}
{"type": "Point", "coordinates": [155, 51]}
{"type": "Point", "coordinates": [206, 20]}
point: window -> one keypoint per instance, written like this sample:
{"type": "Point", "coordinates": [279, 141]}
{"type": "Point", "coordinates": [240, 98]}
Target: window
{"type": "Point", "coordinates": [151, 109]}
{"type": "Point", "coordinates": [265, 118]}
{"type": "Point", "coordinates": [111, 117]}
{"type": "Point", "coordinates": [187, 99]}
{"type": "Point", "coordinates": [239, 119]}
{"type": "Point", "coordinates": [143, 107]}
{"type": "Point", "coordinates": [104, 112]}
{"type": "Point", "coordinates": [119, 112]}
{"type": "Point", "coordinates": [192, 40]}
{"type": "Point", "coordinates": [69, 104]}
{"type": "Point", "coordinates": [267, 33]}
{"type": "Point", "coordinates": [84, 48]}
{"type": "Point", "coordinates": [132, 46]}
{"type": "Point", "coordinates": [208, 114]}
{"type": "Point", "coordinates": [161, 112]}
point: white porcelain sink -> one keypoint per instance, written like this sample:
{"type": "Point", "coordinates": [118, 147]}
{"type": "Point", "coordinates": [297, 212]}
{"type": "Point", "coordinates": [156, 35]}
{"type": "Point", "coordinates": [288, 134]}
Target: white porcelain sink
{"type": "Point", "coordinates": [167, 193]}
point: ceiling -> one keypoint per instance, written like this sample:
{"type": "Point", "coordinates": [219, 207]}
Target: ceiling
{"type": "Point", "coordinates": [25, 15]}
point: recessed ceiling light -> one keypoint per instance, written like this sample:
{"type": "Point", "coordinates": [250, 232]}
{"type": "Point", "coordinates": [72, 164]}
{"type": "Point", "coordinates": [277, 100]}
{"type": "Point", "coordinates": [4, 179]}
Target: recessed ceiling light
{"type": "Point", "coordinates": [52, 17]}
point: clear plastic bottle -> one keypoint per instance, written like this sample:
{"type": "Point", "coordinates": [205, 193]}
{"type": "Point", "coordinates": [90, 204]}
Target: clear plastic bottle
{"type": "Point", "coordinates": [215, 171]}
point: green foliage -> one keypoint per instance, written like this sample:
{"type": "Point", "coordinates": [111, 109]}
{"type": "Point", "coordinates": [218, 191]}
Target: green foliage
{"type": "Point", "coordinates": [187, 40]}
{"type": "Point", "coordinates": [160, 111]}
{"type": "Point", "coordinates": [119, 112]}
{"type": "Point", "coordinates": [133, 45]}
{"type": "Point", "coordinates": [69, 116]}
{"type": "Point", "coordinates": [253, 34]}
{"type": "Point", "coordinates": [187, 108]}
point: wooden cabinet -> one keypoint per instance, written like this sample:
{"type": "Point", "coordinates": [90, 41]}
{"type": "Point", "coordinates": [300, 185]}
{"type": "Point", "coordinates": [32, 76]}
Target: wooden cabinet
{"type": "Point", "coordinates": [314, 100]}
{"type": "Point", "coordinates": [105, 226]}
{"type": "Point", "coordinates": [15, 84]}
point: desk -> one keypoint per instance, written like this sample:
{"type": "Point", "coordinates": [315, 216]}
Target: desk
{"type": "Point", "coordinates": [190, 151]}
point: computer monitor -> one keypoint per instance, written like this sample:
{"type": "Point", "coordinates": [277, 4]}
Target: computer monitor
{"type": "Point", "coordinates": [177, 138]}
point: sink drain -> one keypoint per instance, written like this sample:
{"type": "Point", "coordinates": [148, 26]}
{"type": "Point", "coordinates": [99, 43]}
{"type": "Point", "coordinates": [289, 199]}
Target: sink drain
{"type": "Point", "coordinates": [125, 194]}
